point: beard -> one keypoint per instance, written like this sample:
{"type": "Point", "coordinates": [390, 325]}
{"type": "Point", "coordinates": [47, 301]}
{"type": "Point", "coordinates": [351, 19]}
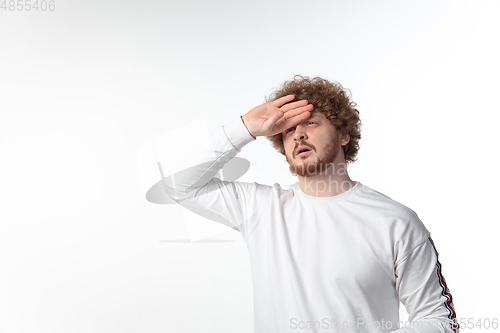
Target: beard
{"type": "Point", "coordinates": [317, 164]}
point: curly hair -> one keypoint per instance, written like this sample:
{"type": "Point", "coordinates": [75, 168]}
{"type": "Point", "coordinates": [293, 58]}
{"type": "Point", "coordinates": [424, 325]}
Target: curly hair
{"type": "Point", "coordinates": [331, 99]}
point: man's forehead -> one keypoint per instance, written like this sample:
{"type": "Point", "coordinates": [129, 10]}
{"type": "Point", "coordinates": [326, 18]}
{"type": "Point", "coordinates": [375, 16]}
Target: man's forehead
{"type": "Point", "coordinates": [315, 113]}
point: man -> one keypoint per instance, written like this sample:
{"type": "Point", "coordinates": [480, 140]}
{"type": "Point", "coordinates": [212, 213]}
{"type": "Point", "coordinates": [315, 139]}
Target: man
{"type": "Point", "coordinates": [328, 254]}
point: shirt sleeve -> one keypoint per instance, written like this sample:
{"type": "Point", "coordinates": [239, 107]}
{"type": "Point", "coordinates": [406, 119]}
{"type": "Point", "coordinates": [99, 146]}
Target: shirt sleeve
{"type": "Point", "coordinates": [424, 292]}
{"type": "Point", "coordinates": [193, 184]}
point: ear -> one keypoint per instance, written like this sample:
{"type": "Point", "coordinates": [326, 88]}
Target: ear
{"type": "Point", "coordinates": [344, 139]}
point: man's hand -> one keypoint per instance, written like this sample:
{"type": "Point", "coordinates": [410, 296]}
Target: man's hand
{"type": "Point", "coordinates": [273, 118]}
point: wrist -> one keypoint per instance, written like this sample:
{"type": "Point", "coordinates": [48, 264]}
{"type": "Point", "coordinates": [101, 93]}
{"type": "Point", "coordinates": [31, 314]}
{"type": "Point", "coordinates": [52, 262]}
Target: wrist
{"type": "Point", "coordinates": [243, 120]}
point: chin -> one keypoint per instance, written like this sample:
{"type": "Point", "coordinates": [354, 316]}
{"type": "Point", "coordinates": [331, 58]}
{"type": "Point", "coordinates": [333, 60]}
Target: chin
{"type": "Point", "coordinates": [305, 168]}
{"type": "Point", "coordinates": [316, 165]}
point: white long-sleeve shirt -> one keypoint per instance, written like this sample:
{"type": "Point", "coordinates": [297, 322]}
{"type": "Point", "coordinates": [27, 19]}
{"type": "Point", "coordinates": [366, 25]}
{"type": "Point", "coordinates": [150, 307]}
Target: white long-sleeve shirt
{"type": "Point", "coordinates": [320, 264]}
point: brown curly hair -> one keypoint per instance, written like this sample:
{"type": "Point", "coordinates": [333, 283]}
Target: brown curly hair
{"type": "Point", "coordinates": [331, 99]}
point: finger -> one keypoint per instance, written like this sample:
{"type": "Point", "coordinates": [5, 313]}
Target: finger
{"type": "Point", "coordinates": [294, 117]}
{"type": "Point", "coordinates": [282, 125]}
{"type": "Point", "coordinates": [294, 105]}
{"type": "Point", "coordinates": [294, 112]}
{"type": "Point", "coordinates": [268, 125]}
{"type": "Point", "coordinates": [280, 101]}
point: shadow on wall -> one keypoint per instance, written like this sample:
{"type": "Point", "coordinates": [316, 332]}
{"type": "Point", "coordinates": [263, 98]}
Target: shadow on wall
{"type": "Point", "coordinates": [232, 170]}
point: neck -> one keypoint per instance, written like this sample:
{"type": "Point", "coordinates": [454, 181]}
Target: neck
{"type": "Point", "coordinates": [333, 181]}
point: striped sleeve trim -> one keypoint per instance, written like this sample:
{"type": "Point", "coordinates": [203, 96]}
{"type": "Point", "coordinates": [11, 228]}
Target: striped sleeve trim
{"type": "Point", "coordinates": [446, 292]}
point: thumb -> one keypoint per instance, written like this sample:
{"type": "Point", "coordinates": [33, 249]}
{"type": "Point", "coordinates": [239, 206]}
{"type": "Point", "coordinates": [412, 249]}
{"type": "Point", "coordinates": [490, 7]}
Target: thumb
{"type": "Point", "coordinates": [269, 123]}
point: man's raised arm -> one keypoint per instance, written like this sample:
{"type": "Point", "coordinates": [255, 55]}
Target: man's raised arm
{"type": "Point", "coordinates": [193, 183]}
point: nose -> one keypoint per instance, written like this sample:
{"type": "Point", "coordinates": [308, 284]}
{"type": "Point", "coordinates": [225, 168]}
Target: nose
{"type": "Point", "coordinates": [300, 133]}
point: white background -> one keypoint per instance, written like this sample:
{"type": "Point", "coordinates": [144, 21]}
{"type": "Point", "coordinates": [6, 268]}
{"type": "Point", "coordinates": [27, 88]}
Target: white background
{"type": "Point", "coordinates": [85, 89]}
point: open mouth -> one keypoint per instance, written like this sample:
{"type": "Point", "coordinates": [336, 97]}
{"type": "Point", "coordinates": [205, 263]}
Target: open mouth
{"type": "Point", "coordinates": [304, 152]}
